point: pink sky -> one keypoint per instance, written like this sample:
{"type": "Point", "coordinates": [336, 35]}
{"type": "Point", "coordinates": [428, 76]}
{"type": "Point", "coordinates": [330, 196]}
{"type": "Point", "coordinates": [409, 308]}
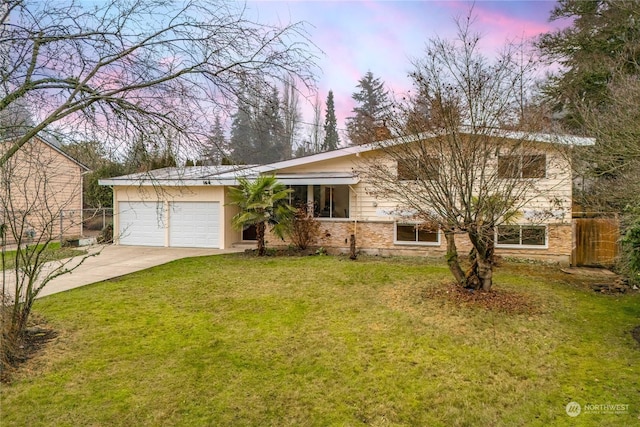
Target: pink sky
{"type": "Point", "coordinates": [383, 36]}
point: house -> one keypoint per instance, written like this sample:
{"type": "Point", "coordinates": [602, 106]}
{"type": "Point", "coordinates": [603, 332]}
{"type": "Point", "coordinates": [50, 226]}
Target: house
{"type": "Point", "coordinates": [41, 193]}
{"type": "Point", "coordinates": [188, 206]}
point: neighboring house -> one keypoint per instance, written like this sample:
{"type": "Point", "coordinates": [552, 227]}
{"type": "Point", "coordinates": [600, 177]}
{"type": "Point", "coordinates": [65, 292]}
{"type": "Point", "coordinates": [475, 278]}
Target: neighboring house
{"type": "Point", "coordinates": [41, 192]}
{"type": "Point", "coordinates": [188, 206]}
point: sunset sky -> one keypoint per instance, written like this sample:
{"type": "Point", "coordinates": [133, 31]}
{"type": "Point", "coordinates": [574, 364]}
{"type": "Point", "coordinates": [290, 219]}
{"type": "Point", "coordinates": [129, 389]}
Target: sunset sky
{"type": "Point", "coordinates": [383, 36]}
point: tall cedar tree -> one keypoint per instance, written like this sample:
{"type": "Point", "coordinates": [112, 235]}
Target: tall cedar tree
{"type": "Point", "coordinates": [241, 142]}
{"type": "Point", "coordinates": [603, 39]}
{"type": "Point", "coordinates": [598, 88]}
{"type": "Point", "coordinates": [272, 144]}
{"type": "Point", "coordinates": [331, 138]}
{"type": "Point", "coordinates": [257, 131]}
{"type": "Point", "coordinates": [370, 112]}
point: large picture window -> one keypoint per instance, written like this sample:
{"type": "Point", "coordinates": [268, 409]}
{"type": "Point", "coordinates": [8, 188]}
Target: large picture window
{"type": "Point", "coordinates": [413, 234]}
{"type": "Point", "coordinates": [331, 201]}
{"type": "Point", "coordinates": [521, 235]}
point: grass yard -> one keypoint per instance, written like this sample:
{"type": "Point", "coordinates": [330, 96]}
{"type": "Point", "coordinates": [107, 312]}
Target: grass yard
{"type": "Point", "coordinates": [52, 253]}
{"type": "Point", "coordinates": [230, 340]}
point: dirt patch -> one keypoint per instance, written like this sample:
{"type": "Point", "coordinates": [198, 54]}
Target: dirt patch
{"type": "Point", "coordinates": [497, 300]}
{"type": "Point", "coordinates": [635, 333]}
{"type": "Point", "coordinates": [35, 339]}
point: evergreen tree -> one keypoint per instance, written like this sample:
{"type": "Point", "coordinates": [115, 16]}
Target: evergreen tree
{"type": "Point", "coordinates": [369, 113]}
{"type": "Point", "coordinates": [257, 133]}
{"type": "Point", "coordinates": [331, 138]}
{"type": "Point", "coordinates": [603, 39]}
{"type": "Point", "coordinates": [242, 133]}
{"type": "Point", "coordinates": [275, 147]}
{"type": "Point", "coordinates": [216, 147]}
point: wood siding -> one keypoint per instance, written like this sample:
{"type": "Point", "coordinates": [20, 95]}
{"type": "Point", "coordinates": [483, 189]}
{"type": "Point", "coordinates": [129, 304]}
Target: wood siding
{"type": "Point", "coordinates": [42, 189]}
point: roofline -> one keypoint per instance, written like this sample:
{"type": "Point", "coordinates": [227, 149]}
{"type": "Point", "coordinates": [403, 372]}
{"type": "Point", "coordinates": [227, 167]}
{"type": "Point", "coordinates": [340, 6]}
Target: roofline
{"type": "Point", "coordinates": [357, 149]}
{"type": "Point", "coordinates": [343, 152]}
{"type": "Point", "coordinates": [57, 149]}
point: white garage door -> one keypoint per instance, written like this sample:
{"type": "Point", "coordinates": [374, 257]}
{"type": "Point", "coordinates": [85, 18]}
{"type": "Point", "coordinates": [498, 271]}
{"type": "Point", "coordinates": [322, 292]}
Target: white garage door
{"type": "Point", "coordinates": [194, 224]}
{"type": "Point", "coordinates": [141, 223]}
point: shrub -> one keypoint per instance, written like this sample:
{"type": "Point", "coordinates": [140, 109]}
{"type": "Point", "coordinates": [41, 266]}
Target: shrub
{"type": "Point", "coordinates": [304, 229]}
{"type": "Point", "coordinates": [630, 259]}
{"type": "Point", "coordinates": [106, 235]}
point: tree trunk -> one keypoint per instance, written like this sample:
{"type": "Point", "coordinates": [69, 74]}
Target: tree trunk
{"type": "Point", "coordinates": [352, 248]}
{"type": "Point", "coordinates": [482, 269]}
{"type": "Point", "coordinates": [452, 258]}
{"type": "Point", "coordinates": [260, 227]}
{"type": "Point", "coordinates": [485, 274]}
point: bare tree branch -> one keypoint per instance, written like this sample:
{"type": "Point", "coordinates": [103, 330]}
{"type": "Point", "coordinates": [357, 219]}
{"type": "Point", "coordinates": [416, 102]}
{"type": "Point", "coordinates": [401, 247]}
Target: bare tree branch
{"type": "Point", "coordinates": [118, 70]}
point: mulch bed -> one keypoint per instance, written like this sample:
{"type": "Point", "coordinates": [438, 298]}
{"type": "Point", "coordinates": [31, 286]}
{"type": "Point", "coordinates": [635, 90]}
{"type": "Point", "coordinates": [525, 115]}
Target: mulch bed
{"type": "Point", "coordinates": [497, 300]}
{"type": "Point", "coordinates": [35, 339]}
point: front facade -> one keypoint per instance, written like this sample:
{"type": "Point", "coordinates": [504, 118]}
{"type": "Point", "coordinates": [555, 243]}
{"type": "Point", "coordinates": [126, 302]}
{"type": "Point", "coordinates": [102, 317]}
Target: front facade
{"type": "Point", "coordinates": [41, 192]}
{"type": "Point", "coordinates": [188, 207]}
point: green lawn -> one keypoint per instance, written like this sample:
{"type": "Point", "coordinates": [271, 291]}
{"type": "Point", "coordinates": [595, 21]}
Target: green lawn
{"type": "Point", "coordinates": [52, 253]}
{"type": "Point", "coordinates": [230, 340]}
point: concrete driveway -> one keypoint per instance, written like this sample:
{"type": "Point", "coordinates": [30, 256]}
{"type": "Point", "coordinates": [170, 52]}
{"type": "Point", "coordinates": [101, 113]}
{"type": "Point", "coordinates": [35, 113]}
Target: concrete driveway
{"type": "Point", "coordinates": [114, 261]}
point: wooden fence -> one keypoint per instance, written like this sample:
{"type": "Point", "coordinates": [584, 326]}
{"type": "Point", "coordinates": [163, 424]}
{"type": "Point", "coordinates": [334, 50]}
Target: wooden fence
{"type": "Point", "coordinates": [596, 241]}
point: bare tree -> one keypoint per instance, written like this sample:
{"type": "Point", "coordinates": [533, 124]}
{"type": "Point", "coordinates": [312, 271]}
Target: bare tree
{"type": "Point", "coordinates": [464, 164]}
{"type": "Point", "coordinates": [290, 115]}
{"type": "Point", "coordinates": [117, 70]}
{"type": "Point", "coordinates": [317, 134]}
{"type": "Point", "coordinates": [611, 168]}
{"type": "Point", "coordinates": [36, 200]}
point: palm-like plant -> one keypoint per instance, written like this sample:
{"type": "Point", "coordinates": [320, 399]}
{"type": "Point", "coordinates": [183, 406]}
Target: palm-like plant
{"type": "Point", "coordinates": [261, 201]}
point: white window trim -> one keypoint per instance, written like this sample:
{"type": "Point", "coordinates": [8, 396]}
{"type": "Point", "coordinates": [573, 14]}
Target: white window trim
{"type": "Point", "coordinates": [332, 187]}
{"type": "Point", "coordinates": [414, 243]}
{"type": "Point", "coordinates": [512, 246]}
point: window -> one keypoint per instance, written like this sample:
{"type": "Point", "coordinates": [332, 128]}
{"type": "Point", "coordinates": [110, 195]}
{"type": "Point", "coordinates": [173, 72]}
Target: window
{"type": "Point", "coordinates": [412, 169]}
{"type": "Point", "coordinates": [298, 196]}
{"type": "Point", "coordinates": [250, 233]}
{"type": "Point", "coordinates": [331, 201]}
{"type": "Point", "coordinates": [521, 235]}
{"type": "Point", "coordinates": [407, 170]}
{"type": "Point", "coordinates": [529, 166]}
{"type": "Point", "coordinates": [414, 234]}
{"type": "Point", "coordinates": [534, 166]}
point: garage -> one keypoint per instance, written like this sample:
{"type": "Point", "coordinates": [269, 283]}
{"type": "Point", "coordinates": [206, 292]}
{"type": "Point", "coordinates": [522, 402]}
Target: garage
{"type": "Point", "coordinates": [194, 224]}
{"type": "Point", "coordinates": [141, 223]}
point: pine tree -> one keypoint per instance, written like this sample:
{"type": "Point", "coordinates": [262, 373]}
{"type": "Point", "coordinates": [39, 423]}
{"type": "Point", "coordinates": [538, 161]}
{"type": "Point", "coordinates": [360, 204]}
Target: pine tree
{"type": "Point", "coordinates": [369, 114]}
{"type": "Point", "coordinates": [216, 147]}
{"type": "Point", "coordinates": [270, 141]}
{"type": "Point", "coordinates": [242, 133]}
{"type": "Point", "coordinates": [331, 138]}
